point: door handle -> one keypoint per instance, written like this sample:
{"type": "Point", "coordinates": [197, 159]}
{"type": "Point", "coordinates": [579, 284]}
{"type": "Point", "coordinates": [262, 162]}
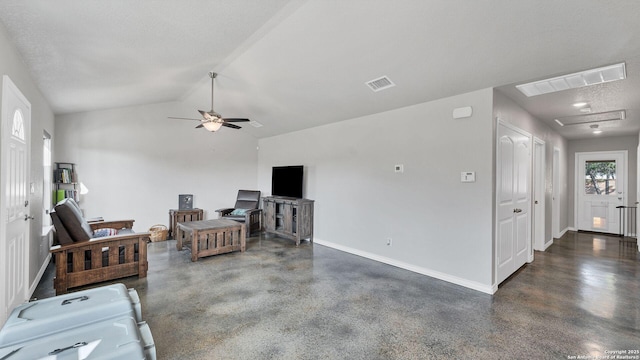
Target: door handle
{"type": "Point", "coordinates": [517, 211]}
{"type": "Point", "coordinates": [536, 202]}
{"type": "Point", "coordinates": [27, 217]}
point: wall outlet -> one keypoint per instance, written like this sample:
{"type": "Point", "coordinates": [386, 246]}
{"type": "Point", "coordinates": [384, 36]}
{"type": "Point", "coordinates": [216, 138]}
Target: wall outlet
{"type": "Point", "coordinates": [389, 241]}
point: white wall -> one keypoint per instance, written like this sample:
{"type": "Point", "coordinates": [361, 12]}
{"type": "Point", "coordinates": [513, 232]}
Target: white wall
{"type": "Point", "coordinates": [509, 111]}
{"type": "Point", "coordinates": [41, 119]}
{"type": "Point", "coordinates": [135, 162]}
{"type": "Point", "coordinates": [440, 226]}
{"type": "Point", "coordinates": [598, 143]}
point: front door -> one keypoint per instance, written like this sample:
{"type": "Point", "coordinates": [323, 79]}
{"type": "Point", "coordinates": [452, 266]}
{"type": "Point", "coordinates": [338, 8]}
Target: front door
{"type": "Point", "coordinates": [600, 188]}
{"type": "Point", "coordinates": [513, 200]}
{"type": "Point", "coordinates": [14, 202]}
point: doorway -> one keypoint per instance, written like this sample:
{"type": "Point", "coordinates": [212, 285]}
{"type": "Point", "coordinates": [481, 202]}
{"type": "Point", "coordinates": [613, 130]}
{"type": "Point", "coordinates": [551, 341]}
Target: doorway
{"type": "Point", "coordinates": [601, 186]}
{"type": "Point", "coordinates": [14, 206]}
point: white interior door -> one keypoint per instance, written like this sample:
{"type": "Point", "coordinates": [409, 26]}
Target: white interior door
{"type": "Point", "coordinates": [14, 204]}
{"type": "Point", "coordinates": [601, 179]}
{"type": "Point", "coordinates": [513, 199]}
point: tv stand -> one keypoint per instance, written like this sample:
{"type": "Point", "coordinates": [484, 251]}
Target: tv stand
{"type": "Point", "coordinates": [288, 217]}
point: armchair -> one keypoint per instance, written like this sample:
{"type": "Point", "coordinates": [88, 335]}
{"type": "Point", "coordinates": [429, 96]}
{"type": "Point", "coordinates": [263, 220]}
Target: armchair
{"type": "Point", "coordinates": [83, 258]}
{"type": "Point", "coordinates": [245, 211]}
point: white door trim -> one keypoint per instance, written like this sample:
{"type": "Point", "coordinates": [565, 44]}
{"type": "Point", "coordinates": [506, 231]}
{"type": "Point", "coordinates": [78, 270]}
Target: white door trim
{"type": "Point", "coordinates": [555, 196]}
{"type": "Point", "coordinates": [539, 182]}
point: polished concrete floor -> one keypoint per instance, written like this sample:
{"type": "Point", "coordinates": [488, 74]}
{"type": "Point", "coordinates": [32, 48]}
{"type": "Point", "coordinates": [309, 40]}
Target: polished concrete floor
{"type": "Point", "coordinates": [277, 301]}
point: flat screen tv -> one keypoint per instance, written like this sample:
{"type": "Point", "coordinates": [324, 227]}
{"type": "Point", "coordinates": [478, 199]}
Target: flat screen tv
{"type": "Point", "coordinates": [286, 181]}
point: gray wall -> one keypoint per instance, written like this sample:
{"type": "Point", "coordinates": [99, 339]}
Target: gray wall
{"type": "Point", "coordinates": [509, 111]}
{"type": "Point", "coordinates": [135, 162]}
{"type": "Point", "coordinates": [41, 119]}
{"type": "Point", "coordinates": [439, 226]}
{"type": "Point", "coordinates": [629, 143]}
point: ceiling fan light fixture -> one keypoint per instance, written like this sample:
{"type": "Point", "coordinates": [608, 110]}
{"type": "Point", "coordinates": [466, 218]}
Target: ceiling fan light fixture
{"type": "Point", "coordinates": [212, 125]}
{"type": "Point", "coordinates": [576, 80]}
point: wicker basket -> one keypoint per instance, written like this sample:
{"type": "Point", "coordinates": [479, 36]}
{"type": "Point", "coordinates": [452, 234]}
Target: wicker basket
{"type": "Point", "coordinates": [158, 233]}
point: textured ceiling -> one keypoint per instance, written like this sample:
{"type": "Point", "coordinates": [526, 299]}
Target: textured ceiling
{"type": "Point", "coordinates": [88, 55]}
{"type": "Point", "coordinates": [296, 64]}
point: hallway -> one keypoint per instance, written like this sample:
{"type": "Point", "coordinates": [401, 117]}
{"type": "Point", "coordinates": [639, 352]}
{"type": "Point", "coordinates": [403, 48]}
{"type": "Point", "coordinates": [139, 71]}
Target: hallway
{"type": "Point", "coordinates": [279, 301]}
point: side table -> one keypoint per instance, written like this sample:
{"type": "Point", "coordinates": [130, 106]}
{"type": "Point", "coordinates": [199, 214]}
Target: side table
{"type": "Point", "coordinates": [179, 216]}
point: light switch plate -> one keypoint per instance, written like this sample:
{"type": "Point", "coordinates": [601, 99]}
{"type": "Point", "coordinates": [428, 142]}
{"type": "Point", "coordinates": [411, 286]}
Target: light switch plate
{"type": "Point", "coordinates": [468, 176]}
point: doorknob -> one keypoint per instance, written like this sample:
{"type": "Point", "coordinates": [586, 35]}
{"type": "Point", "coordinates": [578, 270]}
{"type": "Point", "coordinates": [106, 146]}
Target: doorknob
{"type": "Point", "coordinates": [27, 217]}
{"type": "Point", "coordinates": [536, 202]}
{"type": "Point", "coordinates": [517, 211]}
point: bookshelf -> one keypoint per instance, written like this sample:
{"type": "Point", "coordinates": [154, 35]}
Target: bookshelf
{"type": "Point", "coordinates": [65, 182]}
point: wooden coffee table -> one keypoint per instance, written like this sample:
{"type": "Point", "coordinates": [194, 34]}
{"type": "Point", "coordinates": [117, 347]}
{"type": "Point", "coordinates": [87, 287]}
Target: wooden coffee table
{"type": "Point", "coordinates": [211, 237]}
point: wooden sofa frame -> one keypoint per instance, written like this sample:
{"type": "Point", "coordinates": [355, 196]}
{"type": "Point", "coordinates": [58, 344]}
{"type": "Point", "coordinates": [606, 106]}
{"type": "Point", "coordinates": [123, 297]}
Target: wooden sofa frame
{"type": "Point", "coordinates": [87, 266]}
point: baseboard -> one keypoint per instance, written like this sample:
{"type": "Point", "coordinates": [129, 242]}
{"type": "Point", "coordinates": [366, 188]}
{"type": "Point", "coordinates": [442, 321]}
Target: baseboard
{"type": "Point", "coordinates": [565, 231]}
{"type": "Point", "coordinates": [36, 281]}
{"type": "Point", "coordinates": [547, 244]}
{"type": "Point", "coordinates": [413, 268]}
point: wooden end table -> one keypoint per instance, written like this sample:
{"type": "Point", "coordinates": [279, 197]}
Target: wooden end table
{"type": "Point", "coordinates": [179, 216]}
{"type": "Point", "coordinates": [211, 237]}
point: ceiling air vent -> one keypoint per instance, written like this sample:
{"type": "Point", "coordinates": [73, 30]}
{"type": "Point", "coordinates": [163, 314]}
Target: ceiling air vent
{"type": "Point", "coordinates": [380, 83]}
{"type": "Point", "coordinates": [255, 123]}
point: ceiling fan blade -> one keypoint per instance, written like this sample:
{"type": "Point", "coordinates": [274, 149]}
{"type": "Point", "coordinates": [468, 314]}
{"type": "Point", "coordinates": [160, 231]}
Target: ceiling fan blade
{"type": "Point", "coordinates": [235, 120]}
{"type": "Point", "coordinates": [231, 126]}
{"type": "Point", "coordinates": [199, 126]}
{"type": "Point", "coordinates": [179, 118]}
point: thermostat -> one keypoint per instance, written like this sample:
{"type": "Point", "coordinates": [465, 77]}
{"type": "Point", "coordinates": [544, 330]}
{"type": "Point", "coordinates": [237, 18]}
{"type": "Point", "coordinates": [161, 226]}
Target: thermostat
{"type": "Point", "coordinates": [468, 176]}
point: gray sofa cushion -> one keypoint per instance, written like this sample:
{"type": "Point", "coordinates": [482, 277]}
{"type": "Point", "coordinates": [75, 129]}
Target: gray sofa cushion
{"type": "Point", "coordinates": [69, 214]}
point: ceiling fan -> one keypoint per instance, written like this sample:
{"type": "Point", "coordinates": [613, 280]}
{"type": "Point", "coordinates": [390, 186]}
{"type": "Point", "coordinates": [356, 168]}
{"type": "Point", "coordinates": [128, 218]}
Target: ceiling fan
{"type": "Point", "coordinates": [211, 120]}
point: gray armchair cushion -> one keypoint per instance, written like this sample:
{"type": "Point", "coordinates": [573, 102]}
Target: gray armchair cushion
{"type": "Point", "coordinates": [69, 214]}
{"type": "Point", "coordinates": [247, 199]}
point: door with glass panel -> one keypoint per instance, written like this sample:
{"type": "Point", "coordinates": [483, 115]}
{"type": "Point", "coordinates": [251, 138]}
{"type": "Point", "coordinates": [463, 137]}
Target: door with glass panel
{"type": "Point", "coordinates": [601, 180]}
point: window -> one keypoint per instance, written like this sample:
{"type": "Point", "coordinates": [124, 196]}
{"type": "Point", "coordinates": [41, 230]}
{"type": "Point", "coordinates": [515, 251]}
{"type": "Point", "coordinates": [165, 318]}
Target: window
{"type": "Point", "coordinates": [46, 179]}
{"type": "Point", "coordinates": [17, 129]}
{"type": "Point", "coordinates": [600, 177]}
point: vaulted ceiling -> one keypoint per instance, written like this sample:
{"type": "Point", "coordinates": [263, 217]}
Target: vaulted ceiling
{"type": "Point", "coordinates": [295, 64]}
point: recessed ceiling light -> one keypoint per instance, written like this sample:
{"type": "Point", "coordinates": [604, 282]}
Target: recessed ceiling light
{"type": "Point", "coordinates": [559, 122]}
{"type": "Point", "coordinates": [576, 80]}
{"type": "Point", "coordinates": [580, 104]}
{"type": "Point", "coordinates": [597, 132]}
